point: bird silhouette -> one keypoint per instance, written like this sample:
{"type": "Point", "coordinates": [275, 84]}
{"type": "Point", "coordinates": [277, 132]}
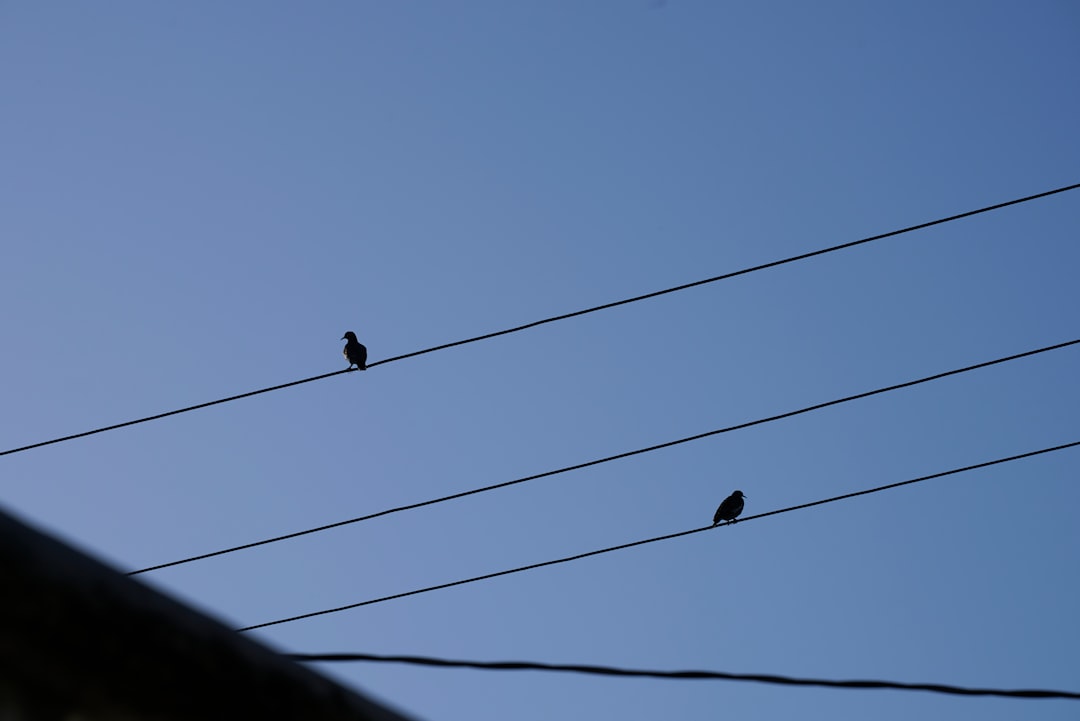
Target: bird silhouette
{"type": "Point", "coordinates": [730, 508]}
{"type": "Point", "coordinates": [354, 352]}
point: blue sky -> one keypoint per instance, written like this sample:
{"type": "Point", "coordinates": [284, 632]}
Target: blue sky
{"type": "Point", "coordinates": [201, 198]}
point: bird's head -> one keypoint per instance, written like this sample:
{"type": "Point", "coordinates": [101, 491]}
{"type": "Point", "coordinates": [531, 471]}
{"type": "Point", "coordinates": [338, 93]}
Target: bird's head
{"type": "Point", "coordinates": [738, 494]}
{"type": "Point", "coordinates": [349, 336]}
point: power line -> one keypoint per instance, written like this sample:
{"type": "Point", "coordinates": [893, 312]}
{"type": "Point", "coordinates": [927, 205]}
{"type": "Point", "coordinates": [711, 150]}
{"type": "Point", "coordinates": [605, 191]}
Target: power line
{"type": "Point", "coordinates": [565, 316]}
{"type": "Point", "coordinates": [694, 675]}
{"type": "Point", "coordinates": [598, 461]}
{"type": "Point", "coordinates": [669, 536]}
{"type": "Point", "coordinates": [172, 413]}
{"type": "Point", "coordinates": [744, 271]}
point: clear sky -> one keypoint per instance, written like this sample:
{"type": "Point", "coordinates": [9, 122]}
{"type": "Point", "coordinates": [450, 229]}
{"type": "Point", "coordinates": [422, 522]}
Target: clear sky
{"type": "Point", "coordinates": [200, 198]}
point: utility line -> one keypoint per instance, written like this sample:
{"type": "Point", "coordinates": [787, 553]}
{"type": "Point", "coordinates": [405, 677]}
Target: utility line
{"type": "Point", "coordinates": [654, 540]}
{"type": "Point", "coordinates": [744, 271]}
{"type": "Point", "coordinates": [598, 461]}
{"type": "Point", "coordinates": [565, 316]}
{"type": "Point", "coordinates": [171, 413]}
{"type": "Point", "coordinates": [696, 675]}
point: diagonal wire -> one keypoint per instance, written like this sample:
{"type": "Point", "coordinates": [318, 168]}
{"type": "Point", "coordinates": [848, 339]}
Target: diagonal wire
{"type": "Point", "coordinates": [598, 461]}
{"type": "Point", "coordinates": [669, 536]}
{"type": "Point", "coordinates": [553, 319]}
{"type": "Point", "coordinates": [594, 670]}
{"type": "Point", "coordinates": [744, 271]}
{"type": "Point", "coordinates": [171, 413]}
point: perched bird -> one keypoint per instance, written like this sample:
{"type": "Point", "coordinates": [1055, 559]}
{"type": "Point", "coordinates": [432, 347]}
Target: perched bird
{"type": "Point", "coordinates": [354, 352]}
{"type": "Point", "coordinates": [730, 508]}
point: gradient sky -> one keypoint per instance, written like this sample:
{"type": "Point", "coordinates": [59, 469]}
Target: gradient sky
{"type": "Point", "coordinates": [200, 198]}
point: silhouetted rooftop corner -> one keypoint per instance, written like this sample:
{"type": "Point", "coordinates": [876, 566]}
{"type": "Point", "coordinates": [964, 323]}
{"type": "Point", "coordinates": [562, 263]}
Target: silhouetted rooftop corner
{"type": "Point", "coordinates": [79, 640]}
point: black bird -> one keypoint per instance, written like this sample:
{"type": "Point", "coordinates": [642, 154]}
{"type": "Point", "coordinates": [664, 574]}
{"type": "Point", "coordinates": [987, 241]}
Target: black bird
{"type": "Point", "coordinates": [354, 352]}
{"type": "Point", "coordinates": [730, 508]}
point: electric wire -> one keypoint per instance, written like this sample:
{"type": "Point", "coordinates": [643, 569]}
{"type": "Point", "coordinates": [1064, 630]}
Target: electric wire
{"type": "Point", "coordinates": [172, 413]}
{"type": "Point", "coordinates": [595, 670]}
{"type": "Point", "coordinates": [606, 459]}
{"type": "Point", "coordinates": [656, 539]}
{"type": "Point", "coordinates": [565, 316]}
{"type": "Point", "coordinates": [744, 271]}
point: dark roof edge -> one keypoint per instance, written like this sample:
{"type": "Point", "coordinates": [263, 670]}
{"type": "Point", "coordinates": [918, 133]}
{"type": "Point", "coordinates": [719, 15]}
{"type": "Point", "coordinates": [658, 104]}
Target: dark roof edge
{"type": "Point", "coordinates": [78, 638]}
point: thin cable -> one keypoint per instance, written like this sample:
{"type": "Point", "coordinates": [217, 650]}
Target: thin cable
{"type": "Point", "coordinates": [565, 316]}
{"type": "Point", "coordinates": [656, 539]}
{"type": "Point", "coordinates": [598, 461]}
{"type": "Point", "coordinates": [744, 271]}
{"type": "Point", "coordinates": [695, 675]}
{"type": "Point", "coordinates": [172, 413]}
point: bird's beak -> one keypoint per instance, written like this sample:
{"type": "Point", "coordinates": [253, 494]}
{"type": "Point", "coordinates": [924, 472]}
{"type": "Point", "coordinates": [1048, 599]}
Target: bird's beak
{"type": "Point", "coordinates": [341, 338]}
